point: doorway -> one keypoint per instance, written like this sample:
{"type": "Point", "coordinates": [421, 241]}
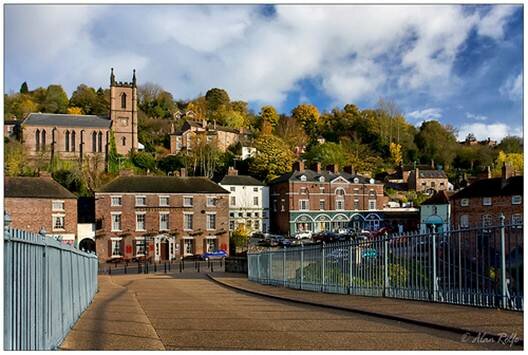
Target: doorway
{"type": "Point", "coordinates": [164, 250]}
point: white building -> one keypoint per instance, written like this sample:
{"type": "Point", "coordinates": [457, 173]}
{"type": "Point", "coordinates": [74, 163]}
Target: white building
{"type": "Point", "coordinates": [248, 202]}
{"type": "Point", "coordinates": [435, 211]}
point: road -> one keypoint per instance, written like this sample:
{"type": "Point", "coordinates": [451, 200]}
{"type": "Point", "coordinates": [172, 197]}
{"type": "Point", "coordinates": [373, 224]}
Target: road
{"type": "Point", "coordinates": [190, 312]}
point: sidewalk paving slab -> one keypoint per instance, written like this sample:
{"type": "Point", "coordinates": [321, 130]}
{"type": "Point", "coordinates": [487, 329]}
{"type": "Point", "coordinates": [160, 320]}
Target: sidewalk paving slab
{"type": "Point", "coordinates": [486, 321]}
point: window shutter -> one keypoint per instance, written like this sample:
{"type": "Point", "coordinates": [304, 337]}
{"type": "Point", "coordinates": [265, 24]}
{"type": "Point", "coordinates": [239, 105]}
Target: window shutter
{"type": "Point", "coordinates": [109, 247]}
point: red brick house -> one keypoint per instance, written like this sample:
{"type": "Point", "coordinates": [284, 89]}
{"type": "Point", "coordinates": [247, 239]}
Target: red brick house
{"type": "Point", "coordinates": [482, 202]}
{"type": "Point", "coordinates": [317, 200]}
{"type": "Point", "coordinates": [160, 217]}
{"type": "Point", "coordinates": [38, 204]}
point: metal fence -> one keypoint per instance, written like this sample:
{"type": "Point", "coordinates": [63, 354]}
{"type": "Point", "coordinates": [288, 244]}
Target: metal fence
{"type": "Point", "coordinates": [47, 285]}
{"type": "Point", "coordinates": [476, 266]}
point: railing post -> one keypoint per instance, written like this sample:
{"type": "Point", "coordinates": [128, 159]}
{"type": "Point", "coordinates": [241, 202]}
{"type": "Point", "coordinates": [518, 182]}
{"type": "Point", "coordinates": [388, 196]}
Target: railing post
{"type": "Point", "coordinates": [302, 265]}
{"type": "Point", "coordinates": [435, 281]}
{"type": "Point", "coordinates": [323, 267]}
{"type": "Point", "coordinates": [386, 280]}
{"type": "Point", "coordinates": [504, 284]}
{"type": "Point", "coordinates": [350, 263]}
{"type": "Point", "coordinates": [284, 267]}
{"type": "Point", "coordinates": [270, 269]}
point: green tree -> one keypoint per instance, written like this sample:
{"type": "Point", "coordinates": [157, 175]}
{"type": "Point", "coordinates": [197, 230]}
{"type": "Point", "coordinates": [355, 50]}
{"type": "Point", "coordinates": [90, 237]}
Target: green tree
{"type": "Point", "coordinates": [144, 160]}
{"type": "Point", "coordinates": [511, 144]}
{"type": "Point", "coordinates": [24, 88]}
{"type": "Point", "coordinates": [436, 142]}
{"type": "Point", "coordinates": [215, 98]}
{"type": "Point", "coordinates": [326, 153]}
{"type": "Point", "coordinates": [171, 163]}
{"type": "Point", "coordinates": [273, 157]}
{"type": "Point", "coordinates": [15, 159]}
{"type": "Point", "coordinates": [56, 100]}
{"type": "Point", "coordinates": [268, 114]}
{"type": "Point", "coordinates": [86, 98]}
{"type": "Point", "coordinates": [291, 132]}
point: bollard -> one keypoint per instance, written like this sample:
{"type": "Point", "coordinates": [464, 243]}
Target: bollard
{"type": "Point", "coordinates": [165, 268]}
{"type": "Point", "coordinates": [146, 267]}
{"type": "Point", "coordinates": [155, 267]}
{"type": "Point", "coordinates": [212, 268]}
{"type": "Point", "coordinates": [139, 268]}
{"type": "Point", "coordinates": [180, 266]}
{"type": "Point", "coordinates": [125, 268]}
{"type": "Point", "coordinates": [169, 265]}
{"type": "Point", "coordinates": [198, 266]}
{"type": "Point", "coordinates": [183, 264]}
{"type": "Point", "coordinates": [109, 270]}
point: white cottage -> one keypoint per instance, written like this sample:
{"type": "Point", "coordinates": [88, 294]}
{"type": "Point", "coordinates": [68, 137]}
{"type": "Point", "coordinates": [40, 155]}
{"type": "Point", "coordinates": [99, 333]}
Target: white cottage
{"type": "Point", "coordinates": [435, 211]}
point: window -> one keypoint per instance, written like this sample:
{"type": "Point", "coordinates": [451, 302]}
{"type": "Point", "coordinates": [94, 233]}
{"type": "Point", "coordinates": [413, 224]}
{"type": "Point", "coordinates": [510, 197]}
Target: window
{"type": "Point", "coordinates": [116, 201]}
{"type": "Point", "coordinates": [94, 142]}
{"type": "Point", "coordinates": [211, 244]}
{"type": "Point", "coordinates": [164, 201]}
{"type": "Point", "coordinates": [140, 247]}
{"type": "Point", "coordinates": [232, 214]}
{"type": "Point", "coordinates": [141, 201]}
{"type": "Point", "coordinates": [486, 201]}
{"type": "Point", "coordinates": [516, 199]}
{"type": "Point", "coordinates": [43, 140]}
{"type": "Point", "coordinates": [303, 205]}
{"type": "Point", "coordinates": [303, 178]}
{"type": "Point", "coordinates": [116, 247]}
{"type": "Point", "coordinates": [264, 214]}
{"type": "Point", "coordinates": [123, 141]}
{"type": "Point", "coordinates": [240, 214]}
{"type": "Point", "coordinates": [372, 204]}
{"type": "Point", "coordinates": [231, 225]}
{"type": "Point", "coordinates": [433, 184]}
{"type": "Point", "coordinates": [255, 189]}
{"type": "Point", "coordinates": [58, 222]}
{"type": "Point", "coordinates": [67, 141]}
{"type": "Point", "coordinates": [211, 221]}
{"type": "Point", "coordinates": [116, 222]}
{"type": "Point", "coordinates": [188, 246]}
{"type": "Point", "coordinates": [340, 204]}
{"type": "Point", "coordinates": [464, 221]}
{"type": "Point", "coordinates": [486, 220]}
{"type": "Point", "coordinates": [123, 100]}
{"type": "Point", "coordinates": [322, 205]}
{"type": "Point", "coordinates": [100, 142]}
{"type": "Point", "coordinates": [274, 205]}
{"type": "Point", "coordinates": [188, 221]}
{"type": "Point", "coordinates": [464, 202]}
{"type": "Point", "coordinates": [442, 184]}
{"type": "Point", "coordinates": [282, 205]}
{"type": "Point", "coordinates": [321, 179]}
{"type": "Point", "coordinates": [256, 215]}
{"type": "Point", "coordinates": [321, 190]}
{"type": "Point", "coordinates": [164, 221]}
{"type": "Point", "coordinates": [57, 205]}
{"type": "Point", "coordinates": [303, 191]}
{"type": "Point", "coordinates": [424, 184]}
{"type": "Point", "coordinates": [211, 202]}
{"type": "Point", "coordinates": [340, 193]}
{"type": "Point", "coordinates": [187, 202]}
{"type": "Point", "coordinates": [256, 225]}
{"type": "Point", "coordinates": [517, 218]}
{"type": "Point", "coordinates": [232, 188]}
{"type": "Point", "coordinates": [72, 146]}
{"type": "Point", "coordinates": [356, 204]}
{"type": "Point", "coordinates": [140, 221]}
{"type": "Point", "coordinates": [37, 140]}
{"type": "Point", "coordinates": [255, 201]}
{"type": "Point", "coordinates": [248, 214]}
{"type": "Point", "coordinates": [233, 200]}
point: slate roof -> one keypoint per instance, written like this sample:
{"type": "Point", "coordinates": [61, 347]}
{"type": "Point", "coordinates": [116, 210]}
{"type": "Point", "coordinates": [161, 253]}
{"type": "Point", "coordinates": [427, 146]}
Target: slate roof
{"type": "Point", "coordinates": [35, 187]}
{"type": "Point", "coordinates": [314, 176]}
{"type": "Point", "coordinates": [492, 187]}
{"type": "Point", "coordinates": [162, 184]}
{"type": "Point", "coordinates": [63, 120]}
{"type": "Point", "coordinates": [432, 174]}
{"type": "Point", "coordinates": [241, 180]}
{"type": "Point", "coordinates": [439, 198]}
{"type": "Point", "coordinates": [210, 128]}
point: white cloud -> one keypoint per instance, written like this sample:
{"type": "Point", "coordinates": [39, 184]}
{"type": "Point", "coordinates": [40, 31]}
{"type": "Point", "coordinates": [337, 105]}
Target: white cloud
{"type": "Point", "coordinates": [512, 87]}
{"type": "Point", "coordinates": [476, 117]}
{"type": "Point", "coordinates": [432, 113]}
{"type": "Point", "coordinates": [495, 131]}
{"type": "Point", "coordinates": [189, 49]}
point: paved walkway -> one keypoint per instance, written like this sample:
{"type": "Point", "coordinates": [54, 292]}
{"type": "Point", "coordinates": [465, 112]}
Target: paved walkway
{"type": "Point", "coordinates": [483, 320]}
{"type": "Point", "coordinates": [189, 311]}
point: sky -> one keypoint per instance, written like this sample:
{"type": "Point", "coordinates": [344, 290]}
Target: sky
{"type": "Point", "coordinates": [459, 64]}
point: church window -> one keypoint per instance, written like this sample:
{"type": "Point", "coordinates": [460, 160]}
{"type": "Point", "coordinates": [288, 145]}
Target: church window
{"type": "Point", "coordinates": [123, 140]}
{"type": "Point", "coordinates": [123, 100]}
{"type": "Point", "coordinates": [73, 141]}
{"type": "Point", "coordinates": [94, 142]}
{"type": "Point", "coordinates": [67, 141]}
{"type": "Point", "coordinates": [37, 140]}
{"type": "Point", "coordinates": [100, 142]}
{"type": "Point", "coordinates": [43, 140]}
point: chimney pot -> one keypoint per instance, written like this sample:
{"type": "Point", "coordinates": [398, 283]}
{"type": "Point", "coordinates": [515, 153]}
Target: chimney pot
{"type": "Point", "coordinates": [333, 168]}
{"type": "Point", "coordinates": [316, 167]}
{"type": "Point", "coordinates": [349, 169]}
{"type": "Point", "coordinates": [298, 166]}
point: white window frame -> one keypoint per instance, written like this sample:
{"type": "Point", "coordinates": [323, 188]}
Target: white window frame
{"type": "Point", "coordinates": [138, 197]}
{"type": "Point", "coordinates": [140, 240]}
{"type": "Point", "coordinates": [144, 214]}
{"type": "Point", "coordinates": [209, 199]}
{"type": "Point", "coordinates": [464, 202]}
{"type": "Point", "coordinates": [516, 199]}
{"type": "Point", "coordinates": [322, 203]}
{"type": "Point", "coordinates": [371, 205]}
{"type": "Point", "coordinates": [186, 240]}
{"type": "Point", "coordinates": [255, 189]}
{"type": "Point", "coordinates": [184, 221]}
{"type": "Point", "coordinates": [306, 204]}
{"type": "Point", "coordinates": [116, 241]}
{"type": "Point", "coordinates": [207, 240]}
{"type": "Point", "coordinates": [464, 221]}
{"type": "Point", "coordinates": [517, 219]}
{"type": "Point", "coordinates": [207, 221]}
{"type": "Point", "coordinates": [53, 220]}
{"type": "Point", "coordinates": [160, 216]}
{"type": "Point", "coordinates": [232, 188]}
{"type": "Point", "coordinates": [340, 204]}
{"type": "Point", "coordinates": [184, 201]}
{"type": "Point", "coordinates": [303, 178]}
{"type": "Point", "coordinates": [112, 204]}
{"type": "Point", "coordinates": [161, 198]}
{"type": "Point", "coordinates": [255, 201]}
{"type": "Point", "coordinates": [112, 214]}
{"type": "Point", "coordinates": [485, 201]}
{"type": "Point", "coordinates": [57, 209]}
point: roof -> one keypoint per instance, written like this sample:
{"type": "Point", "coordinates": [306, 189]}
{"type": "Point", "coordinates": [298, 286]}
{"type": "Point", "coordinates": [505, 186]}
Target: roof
{"type": "Point", "coordinates": [314, 176]}
{"type": "Point", "coordinates": [492, 187]}
{"type": "Point", "coordinates": [241, 180]}
{"type": "Point", "coordinates": [210, 128]}
{"type": "Point", "coordinates": [63, 120]}
{"type": "Point", "coordinates": [162, 184]}
{"type": "Point", "coordinates": [432, 174]}
{"type": "Point", "coordinates": [35, 187]}
{"type": "Point", "coordinates": [439, 198]}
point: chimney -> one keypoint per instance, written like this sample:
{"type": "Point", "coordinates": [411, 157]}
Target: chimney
{"type": "Point", "coordinates": [506, 171]}
{"type": "Point", "coordinates": [298, 166]}
{"type": "Point", "coordinates": [316, 167]}
{"type": "Point", "coordinates": [349, 169]}
{"type": "Point", "coordinates": [183, 172]}
{"type": "Point", "coordinates": [231, 171]}
{"type": "Point", "coordinates": [44, 174]}
{"type": "Point", "coordinates": [333, 168]}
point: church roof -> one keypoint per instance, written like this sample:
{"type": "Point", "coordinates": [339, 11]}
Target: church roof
{"type": "Point", "coordinates": [65, 120]}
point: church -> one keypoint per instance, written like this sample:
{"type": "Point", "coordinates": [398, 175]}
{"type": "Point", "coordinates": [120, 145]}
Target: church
{"type": "Point", "coordinates": [74, 137]}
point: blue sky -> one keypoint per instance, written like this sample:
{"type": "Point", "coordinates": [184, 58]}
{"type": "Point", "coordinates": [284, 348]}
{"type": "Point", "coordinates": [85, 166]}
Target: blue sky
{"type": "Point", "coordinates": [460, 64]}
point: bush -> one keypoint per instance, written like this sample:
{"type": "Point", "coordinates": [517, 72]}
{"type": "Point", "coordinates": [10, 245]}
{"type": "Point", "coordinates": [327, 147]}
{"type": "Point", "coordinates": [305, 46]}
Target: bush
{"type": "Point", "coordinates": [144, 160]}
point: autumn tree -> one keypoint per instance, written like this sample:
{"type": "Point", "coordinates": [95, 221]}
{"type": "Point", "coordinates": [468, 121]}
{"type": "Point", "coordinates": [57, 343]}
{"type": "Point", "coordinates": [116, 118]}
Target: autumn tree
{"type": "Point", "coordinates": [273, 157]}
{"type": "Point", "coordinates": [511, 144]}
{"type": "Point", "coordinates": [215, 98]}
{"type": "Point", "coordinates": [240, 238]}
{"type": "Point", "coordinates": [395, 152]}
{"type": "Point", "coordinates": [74, 111]}
{"type": "Point", "coordinates": [515, 160]}
{"type": "Point", "coordinates": [308, 116]}
{"type": "Point", "coordinates": [291, 132]}
{"type": "Point", "coordinates": [268, 114]}
{"type": "Point", "coordinates": [84, 97]}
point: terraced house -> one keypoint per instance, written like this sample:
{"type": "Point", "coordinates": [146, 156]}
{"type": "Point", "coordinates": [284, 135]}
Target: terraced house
{"type": "Point", "coordinates": [160, 217]}
{"type": "Point", "coordinates": [324, 200]}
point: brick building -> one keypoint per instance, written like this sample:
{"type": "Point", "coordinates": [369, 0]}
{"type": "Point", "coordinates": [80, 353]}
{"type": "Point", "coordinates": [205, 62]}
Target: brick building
{"type": "Point", "coordinates": [76, 136]}
{"type": "Point", "coordinates": [429, 181]}
{"type": "Point", "coordinates": [160, 217]}
{"type": "Point", "coordinates": [481, 203]}
{"type": "Point", "coordinates": [38, 204]}
{"type": "Point", "coordinates": [324, 200]}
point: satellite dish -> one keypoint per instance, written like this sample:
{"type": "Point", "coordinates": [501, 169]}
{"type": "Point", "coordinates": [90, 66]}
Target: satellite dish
{"type": "Point", "coordinates": [371, 181]}
{"type": "Point", "coordinates": [356, 180]}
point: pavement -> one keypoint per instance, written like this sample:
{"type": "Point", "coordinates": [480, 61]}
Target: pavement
{"type": "Point", "coordinates": [189, 311]}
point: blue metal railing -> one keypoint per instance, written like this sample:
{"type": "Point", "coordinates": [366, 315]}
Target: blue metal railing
{"type": "Point", "coordinates": [47, 285]}
{"type": "Point", "coordinates": [471, 266]}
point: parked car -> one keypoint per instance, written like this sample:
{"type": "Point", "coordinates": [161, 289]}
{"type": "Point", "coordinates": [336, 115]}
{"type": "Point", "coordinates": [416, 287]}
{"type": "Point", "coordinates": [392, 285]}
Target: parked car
{"type": "Point", "coordinates": [326, 237]}
{"type": "Point", "coordinates": [303, 235]}
{"type": "Point", "coordinates": [217, 254]}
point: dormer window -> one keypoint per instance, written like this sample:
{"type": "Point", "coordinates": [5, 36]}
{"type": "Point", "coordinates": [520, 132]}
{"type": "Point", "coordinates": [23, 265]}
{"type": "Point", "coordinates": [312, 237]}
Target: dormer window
{"type": "Point", "coordinates": [321, 179]}
{"type": "Point", "coordinates": [303, 177]}
{"type": "Point", "coordinates": [516, 199]}
{"type": "Point", "coordinates": [486, 201]}
{"type": "Point", "coordinates": [464, 202]}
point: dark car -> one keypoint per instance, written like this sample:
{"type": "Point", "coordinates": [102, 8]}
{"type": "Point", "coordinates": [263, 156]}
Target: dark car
{"type": "Point", "coordinates": [326, 237]}
{"type": "Point", "coordinates": [217, 254]}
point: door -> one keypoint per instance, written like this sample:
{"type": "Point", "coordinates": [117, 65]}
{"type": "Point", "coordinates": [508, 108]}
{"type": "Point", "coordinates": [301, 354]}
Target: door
{"type": "Point", "coordinates": [165, 250]}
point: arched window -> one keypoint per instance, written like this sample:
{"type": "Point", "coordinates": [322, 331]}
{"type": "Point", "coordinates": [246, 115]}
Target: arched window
{"type": "Point", "coordinates": [37, 140]}
{"type": "Point", "coordinates": [43, 140]}
{"type": "Point", "coordinates": [94, 142]}
{"type": "Point", "coordinates": [100, 148]}
{"type": "Point", "coordinates": [340, 199]}
{"type": "Point", "coordinates": [340, 193]}
{"type": "Point", "coordinates": [123, 100]}
{"type": "Point", "coordinates": [73, 141]}
{"type": "Point", "coordinates": [123, 140]}
{"type": "Point", "coordinates": [67, 141]}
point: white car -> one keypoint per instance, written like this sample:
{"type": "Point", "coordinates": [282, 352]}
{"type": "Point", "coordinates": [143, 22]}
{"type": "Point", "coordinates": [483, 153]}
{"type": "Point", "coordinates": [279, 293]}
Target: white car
{"type": "Point", "coordinates": [303, 235]}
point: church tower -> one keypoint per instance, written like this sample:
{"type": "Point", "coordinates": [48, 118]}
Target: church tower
{"type": "Point", "coordinates": [123, 113]}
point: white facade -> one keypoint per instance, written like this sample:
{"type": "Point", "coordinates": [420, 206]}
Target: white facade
{"type": "Point", "coordinates": [248, 205]}
{"type": "Point", "coordinates": [438, 215]}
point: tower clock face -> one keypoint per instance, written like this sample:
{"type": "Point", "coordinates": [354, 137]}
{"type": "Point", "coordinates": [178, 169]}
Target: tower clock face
{"type": "Point", "coordinates": [123, 121]}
